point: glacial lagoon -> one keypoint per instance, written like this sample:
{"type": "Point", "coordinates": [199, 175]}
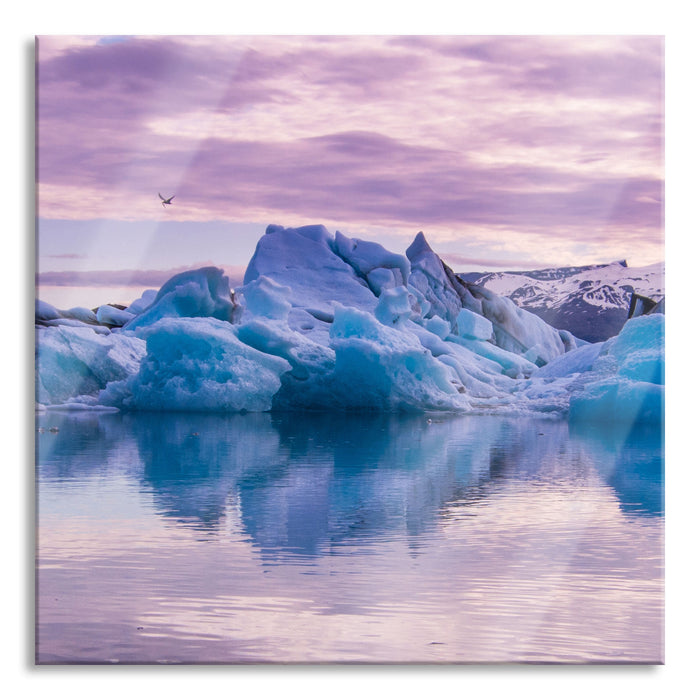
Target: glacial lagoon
{"type": "Point", "coordinates": [351, 538]}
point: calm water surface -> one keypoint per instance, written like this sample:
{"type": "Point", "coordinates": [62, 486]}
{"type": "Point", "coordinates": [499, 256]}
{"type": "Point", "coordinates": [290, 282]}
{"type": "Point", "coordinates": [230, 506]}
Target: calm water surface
{"type": "Point", "coordinates": [313, 538]}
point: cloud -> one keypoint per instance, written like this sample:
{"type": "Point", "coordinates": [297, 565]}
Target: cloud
{"type": "Point", "coordinates": [557, 135]}
{"type": "Point", "coordinates": [483, 263]}
{"type": "Point", "coordinates": [127, 278]}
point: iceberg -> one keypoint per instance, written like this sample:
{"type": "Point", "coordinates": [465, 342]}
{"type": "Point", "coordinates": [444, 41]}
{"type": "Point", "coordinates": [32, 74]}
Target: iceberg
{"type": "Point", "coordinates": [139, 305]}
{"type": "Point", "coordinates": [380, 268]}
{"type": "Point", "coordinates": [195, 293]}
{"type": "Point", "coordinates": [45, 312]}
{"type": "Point", "coordinates": [47, 315]}
{"type": "Point", "coordinates": [81, 314]}
{"type": "Point", "coordinates": [197, 364]}
{"type": "Point", "coordinates": [75, 361]}
{"type": "Point", "coordinates": [304, 260]}
{"type": "Point", "coordinates": [381, 367]}
{"type": "Point", "coordinates": [444, 293]}
{"type": "Point", "coordinates": [626, 381]}
{"type": "Point", "coordinates": [329, 322]}
{"type": "Point", "coordinates": [517, 330]}
{"type": "Point", "coordinates": [108, 315]}
{"type": "Point", "coordinates": [472, 325]}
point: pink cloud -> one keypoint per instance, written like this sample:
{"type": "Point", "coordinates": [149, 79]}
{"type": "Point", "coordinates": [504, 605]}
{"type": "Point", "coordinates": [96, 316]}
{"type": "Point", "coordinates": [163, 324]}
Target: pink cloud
{"type": "Point", "coordinates": [559, 135]}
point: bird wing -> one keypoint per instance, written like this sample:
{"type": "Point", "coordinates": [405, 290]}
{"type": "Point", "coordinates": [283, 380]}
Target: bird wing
{"type": "Point", "coordinates": [161, 196]}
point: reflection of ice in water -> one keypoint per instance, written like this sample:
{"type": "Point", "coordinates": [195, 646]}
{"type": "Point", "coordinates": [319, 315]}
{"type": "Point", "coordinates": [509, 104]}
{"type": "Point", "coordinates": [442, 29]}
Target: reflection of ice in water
{"type": "Point", "coordinates": [304, 537]}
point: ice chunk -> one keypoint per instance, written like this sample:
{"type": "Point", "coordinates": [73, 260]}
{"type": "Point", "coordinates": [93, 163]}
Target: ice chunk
{"type": "Point", "coordinates": [472, 325]}
{"type": "Point", "coordinates": [143, 302]}
{"type": "Point", "coordinates": [517, 330]}
{"type": "Point", "coordinates": [46, 314]}
{"type": "Point", "coordinates": [195, 293]}
{"type": "Point", "coordinates": [109, 315]}
{"type": "Point", "coordinates": [573, 362]}
{"type": "Point", "coordinates": [445, 294]}
{"type": "Point", "coordinates": [74, 361]}
{"type": "Point", "coordinates": [379, 367]}
{"type": "Point", "coordinates": [618, 400]}
{"type": "Point", "coordinates": [102, 330]}
{"type": "Point", "coordinates": [314, 232]}
{"type": "Point", "coordinates": [639, 349]}
{"type": "Point", "coordinates": [329, 322]}
{"type": "Point", "coordinates": [383, 278]}
{"type": "Point", "coordinates": [264, 297]}
{"type": "Point", "coordinates": [198, 364]}
{"type": "Point", "coordinates": [625, 383]}
{"type": "Point", "coordinates": [480, 375]}
{"type": "Point", "coordinates": [73, 406]}
{"type": "Point", "coordinates": [438, 326]}
{"type": "Point", "coordinates": [81, 314]}
{"type": "Point", "coordinates": [512, 364]}
{"type": "Point", "coordinates": [310, 326]}
{"type": "Point", "coordinates": [303, 260]}
{"type": "Point", "coordinates": [570, 340]}
{"type": "Point", "coordinates": [373, 261]}
{"type": "Point", "coordinates": [394, 306]}
{"type": "Point", "coordinates": [43, 311]}
{"type": "Point", "coordinates": [306, 385]}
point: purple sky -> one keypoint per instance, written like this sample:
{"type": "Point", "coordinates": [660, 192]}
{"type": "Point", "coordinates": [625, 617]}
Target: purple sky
{"type": "Point", "coordinates": [508, 152]}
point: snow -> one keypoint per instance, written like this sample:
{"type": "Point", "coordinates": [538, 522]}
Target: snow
{"type": "Point", "coordinates": [563, 283]}
{"type": "Point", "coordinates": [328, 322]}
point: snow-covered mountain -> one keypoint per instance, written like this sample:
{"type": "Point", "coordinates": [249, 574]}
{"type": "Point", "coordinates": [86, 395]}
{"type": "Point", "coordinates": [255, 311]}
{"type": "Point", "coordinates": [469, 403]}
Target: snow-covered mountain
{"type": "Point", "coordinates": [591, 301]}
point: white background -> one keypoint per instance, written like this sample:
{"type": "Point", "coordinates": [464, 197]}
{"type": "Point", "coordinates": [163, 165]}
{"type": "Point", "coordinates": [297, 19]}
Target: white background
{"type": "Point", "coordinates": [675, 20]}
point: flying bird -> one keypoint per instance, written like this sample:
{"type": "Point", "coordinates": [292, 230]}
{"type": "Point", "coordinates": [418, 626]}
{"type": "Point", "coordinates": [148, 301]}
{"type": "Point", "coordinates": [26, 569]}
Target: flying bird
{"type": "Point", "coordinates": [165, 201]}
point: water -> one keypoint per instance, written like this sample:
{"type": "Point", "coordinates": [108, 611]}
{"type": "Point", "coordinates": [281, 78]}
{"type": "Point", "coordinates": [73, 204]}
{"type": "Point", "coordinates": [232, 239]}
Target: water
{"type": "Point", "coordinates": [300, 538]}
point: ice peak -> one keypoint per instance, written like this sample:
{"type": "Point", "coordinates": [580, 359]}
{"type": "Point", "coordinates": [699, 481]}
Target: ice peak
{"type": "Point", "coordinates": [418, 247]}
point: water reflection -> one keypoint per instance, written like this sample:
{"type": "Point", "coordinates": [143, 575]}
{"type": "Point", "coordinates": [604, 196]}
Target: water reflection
{"type": "Point", "coordinates": [311, 537]}
{"type": "Point", "coordinates": [631, 462]}
{"type": "Point", "coordinates": [308, 484]}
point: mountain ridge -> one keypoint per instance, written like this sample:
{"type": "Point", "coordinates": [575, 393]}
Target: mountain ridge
{"type": "Point", "coordinates": [590, 301]}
